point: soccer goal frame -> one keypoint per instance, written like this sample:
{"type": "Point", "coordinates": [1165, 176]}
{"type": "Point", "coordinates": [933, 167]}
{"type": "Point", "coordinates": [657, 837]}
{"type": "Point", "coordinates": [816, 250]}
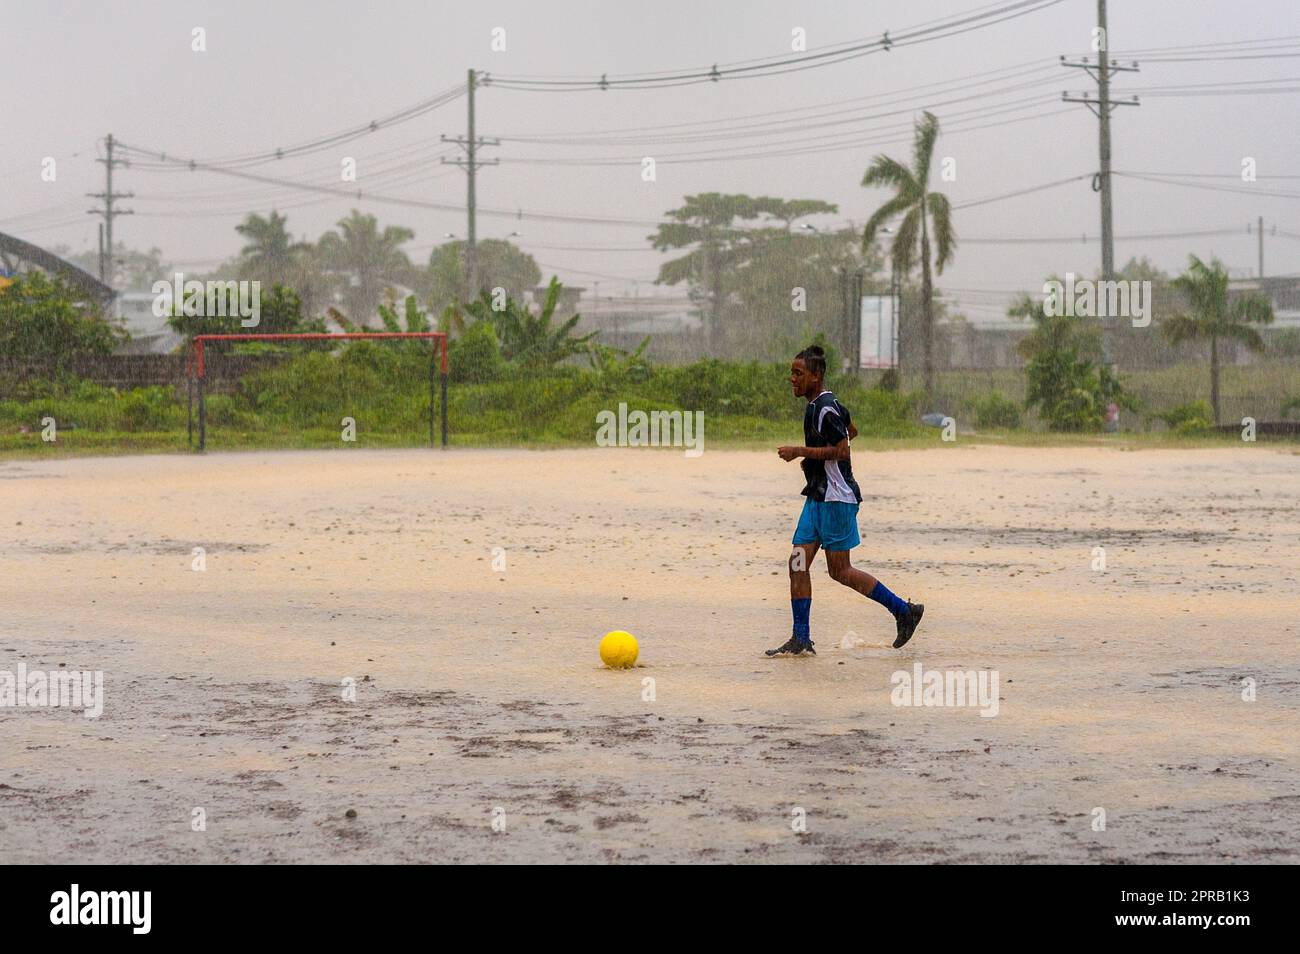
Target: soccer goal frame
{"type": "Point", "coordinates": [437, 370]}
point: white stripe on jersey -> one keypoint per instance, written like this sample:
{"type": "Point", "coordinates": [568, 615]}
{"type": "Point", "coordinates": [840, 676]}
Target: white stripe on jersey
{"type": "Point", "coordinates": [837, 490]}
{"type": "Point", "coordinates": [828, 409]}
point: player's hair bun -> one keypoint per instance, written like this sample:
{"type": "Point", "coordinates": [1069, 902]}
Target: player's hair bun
{"type": "Point", "coordinates": [814, 356]}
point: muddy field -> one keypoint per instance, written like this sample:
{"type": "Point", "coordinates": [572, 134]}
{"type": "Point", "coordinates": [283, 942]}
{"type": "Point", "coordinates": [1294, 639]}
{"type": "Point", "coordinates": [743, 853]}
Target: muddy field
{"type": "Point", "coordinates": [461, 596]}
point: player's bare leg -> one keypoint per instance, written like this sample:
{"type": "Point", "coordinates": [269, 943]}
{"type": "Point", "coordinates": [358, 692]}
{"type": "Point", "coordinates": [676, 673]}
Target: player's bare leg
{"type": "Point", "coordinates": [842, 571]}
{"type": "Point", "coordinates": [907, 615]}
{"type": "Point", "coordinates": [801, 557]}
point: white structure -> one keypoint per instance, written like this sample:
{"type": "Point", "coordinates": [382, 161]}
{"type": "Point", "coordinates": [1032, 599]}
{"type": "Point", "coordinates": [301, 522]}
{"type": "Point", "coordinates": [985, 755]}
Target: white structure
{"type": "Point", "coordinates": [877, 332]}
{"type": "Point", "coordinates": [149, 333]}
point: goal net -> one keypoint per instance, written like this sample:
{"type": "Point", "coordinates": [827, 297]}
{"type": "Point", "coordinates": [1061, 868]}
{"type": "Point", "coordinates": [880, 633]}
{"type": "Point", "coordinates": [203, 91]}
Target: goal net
{"type": "Point", "coordinates": [302, 390]}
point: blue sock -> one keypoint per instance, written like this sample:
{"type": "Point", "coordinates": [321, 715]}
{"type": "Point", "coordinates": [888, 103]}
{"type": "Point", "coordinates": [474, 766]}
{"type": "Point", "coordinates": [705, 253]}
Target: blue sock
{"type": "Point", "coordinates": [801, 609]}
{"type": "Point", "coordinates": [880, 593]}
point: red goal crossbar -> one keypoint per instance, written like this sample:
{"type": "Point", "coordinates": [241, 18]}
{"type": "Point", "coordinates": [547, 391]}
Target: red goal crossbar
{"type": "Point", "coordinates": [195, 371]}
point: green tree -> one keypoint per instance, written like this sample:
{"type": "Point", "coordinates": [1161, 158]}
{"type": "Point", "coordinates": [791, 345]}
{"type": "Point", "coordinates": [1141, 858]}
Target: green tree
{"type": "Point", "coordinates": [1141, 270]}
{"type": "Point", "coordinates": [1064, 374]}
{"type": "Point", "coordinates": [501, 264]}
{"type": "Point", "coordinates": [1214, 317]}
{"type": "Point", "coordinates": [280, 313]}
{"type": "Point", "coordinates": [272, 257]}
{"type": "Point", "coordinates": [368, 261]}
{"type": "Point", "coordinates": [923, 211]}
{"type": "Point", "coordinates": [527, 339]}
{"type": "Point", "coordinates": [43, 319]}
{"type": "Point", "coordinates": [765, 317]}
{"type": "Point", "coordinates": [708, 224]}
{"type": "Point", "coordinates": [270, 253]}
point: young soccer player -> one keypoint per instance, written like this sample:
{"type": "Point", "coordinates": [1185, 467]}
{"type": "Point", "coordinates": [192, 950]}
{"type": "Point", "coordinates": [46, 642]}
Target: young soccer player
{"type": "Point", "coordinates": [830, 513]}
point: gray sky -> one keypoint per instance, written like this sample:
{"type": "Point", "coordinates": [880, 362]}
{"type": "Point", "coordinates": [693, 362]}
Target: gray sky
{"type": "Point", "coordinates": [276, 74]}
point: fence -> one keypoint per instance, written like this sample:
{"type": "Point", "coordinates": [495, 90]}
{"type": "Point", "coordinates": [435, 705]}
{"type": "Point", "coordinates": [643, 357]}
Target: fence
{"type": "Point", "coordinates": [127, 371]}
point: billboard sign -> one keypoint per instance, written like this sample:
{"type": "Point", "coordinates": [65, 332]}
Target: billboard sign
{"type": "Point", "coordinates": [878, 333]}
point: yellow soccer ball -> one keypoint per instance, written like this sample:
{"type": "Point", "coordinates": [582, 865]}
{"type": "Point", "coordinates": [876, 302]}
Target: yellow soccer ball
{"type": "Point", "coordinates": [618, 650]}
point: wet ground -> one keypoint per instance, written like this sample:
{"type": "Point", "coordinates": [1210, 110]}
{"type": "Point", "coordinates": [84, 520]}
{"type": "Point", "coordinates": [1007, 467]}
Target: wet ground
{"type": "Point", "coordinates": [410, 636]}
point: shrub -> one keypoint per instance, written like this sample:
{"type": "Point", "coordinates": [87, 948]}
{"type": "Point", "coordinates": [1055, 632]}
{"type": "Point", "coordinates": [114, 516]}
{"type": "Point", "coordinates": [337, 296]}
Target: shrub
{"type": "Point", "coordinates": [147, 409]}
{"type": "Point", "coordinates": [994, 411]}
{"type": "Point", "coordinates": [43, 318]}
{"type": "Point", "coordinates": [475, 356]}
{"type": "Point", "coordinates": [1195, 417]}
{"type": "Point", "coordinates": [878, 413]}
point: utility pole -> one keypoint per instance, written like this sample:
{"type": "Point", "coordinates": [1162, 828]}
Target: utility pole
{"type": "Point", "coordinates": [470, 164]}
{"type": "Point", "coordinates": [1261, 246]}
{"type": "Point", "coordinates": [1101, 107]}
{"type": "Point", "coordinates": [1259, 225]}
{"type": "Point", "coordinates": [108, 212]}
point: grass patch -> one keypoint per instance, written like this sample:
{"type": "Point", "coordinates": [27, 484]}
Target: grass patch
{"type": "Point", "coordinates": [301, 404]}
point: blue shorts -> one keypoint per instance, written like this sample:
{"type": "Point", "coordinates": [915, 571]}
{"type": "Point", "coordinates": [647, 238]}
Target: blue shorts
{"type": "Point", "coordinates": [832, 524]}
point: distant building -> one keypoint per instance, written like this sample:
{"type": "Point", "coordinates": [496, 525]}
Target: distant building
{"type": "Point", "coordinates": [149, 333]}
{"type": "Point", "coordinates": [672, 323]}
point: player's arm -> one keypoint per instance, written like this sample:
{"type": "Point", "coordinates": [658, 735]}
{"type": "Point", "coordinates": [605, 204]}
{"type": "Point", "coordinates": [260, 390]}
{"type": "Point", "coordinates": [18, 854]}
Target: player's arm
{"type": "Point", "coordinates": [832, 430]}
{"type": "Point", "coordinates": [839, 452]}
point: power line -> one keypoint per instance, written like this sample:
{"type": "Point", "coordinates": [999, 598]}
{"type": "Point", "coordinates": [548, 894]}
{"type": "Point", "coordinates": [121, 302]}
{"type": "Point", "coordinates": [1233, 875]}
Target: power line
{"type": "Point", "coordinates": [756, 59]}
{"type": "Point", "coordinates": [363, 195]}
{"type": "Point", "coordinates": [834, 144]}
{"type": "Point", "coordinates": [1261, 42]}
{"type": "Point", "coordinates": [1211, 59]}
{"type": "Point", "coordinates": [780, 65]}
{"type": "Point", "coordinates": [814, 123]}
{"type": "Point", "coordinates": [1019, 192]}
{"type": "Point", "coordinates": [337, 138]}
{"type": "Point", "coordinates": [1204, 175]}
{"type": "Point", "coordinates": [388, 175]}
{"type": "Point", "coordinates": [1083, 239]}
{"type": "Point", "coordinates": [1210, 188]}
{"type": "Point", "coordinates": [713, 129]}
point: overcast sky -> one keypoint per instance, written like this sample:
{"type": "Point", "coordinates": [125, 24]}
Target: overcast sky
{"type": "Point", "coordinates": [278, 74]}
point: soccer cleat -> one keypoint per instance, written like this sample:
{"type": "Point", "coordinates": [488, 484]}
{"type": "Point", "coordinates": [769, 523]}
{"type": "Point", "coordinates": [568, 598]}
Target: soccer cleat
{"type": "Point", "coordinates": [907, 624]}
{"type": "Point", "coordinates": [793, 647]}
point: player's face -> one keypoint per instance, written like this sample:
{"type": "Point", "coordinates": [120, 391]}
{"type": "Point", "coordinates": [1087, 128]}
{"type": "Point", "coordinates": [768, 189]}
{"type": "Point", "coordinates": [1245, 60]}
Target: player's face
{"type": "Point", "coordinates": [801, 378]}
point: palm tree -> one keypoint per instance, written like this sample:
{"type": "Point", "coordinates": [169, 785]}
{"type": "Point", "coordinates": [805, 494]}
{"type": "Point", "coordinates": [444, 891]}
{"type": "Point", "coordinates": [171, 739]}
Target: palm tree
{"type": "Point", "coordinates": [273, 258]}
{"type": "Point", "coordinates": [1213, 316]}
{"type": "Point", "coordinates": [371, 261]}
{"type": "Point", "coordinates": [271, 254]}
{"type": "Point", "coordinates": [921, 209]}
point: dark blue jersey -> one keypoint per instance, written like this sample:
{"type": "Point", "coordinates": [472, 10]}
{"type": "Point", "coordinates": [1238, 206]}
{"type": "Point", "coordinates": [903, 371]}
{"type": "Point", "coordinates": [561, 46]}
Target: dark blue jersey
{"type": "Point", "coordinates": [825, 424]}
